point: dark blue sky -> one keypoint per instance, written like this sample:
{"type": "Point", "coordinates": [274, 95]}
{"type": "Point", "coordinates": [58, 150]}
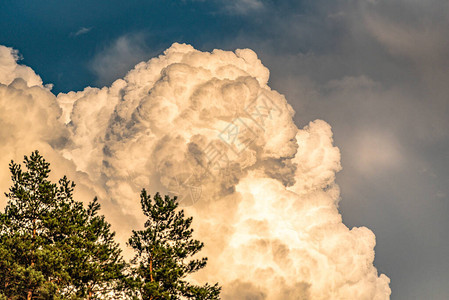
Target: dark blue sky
{"type": "Point", "coordinates": [377, 71]}
{"type": "Point", "coordinates": [45, 31]}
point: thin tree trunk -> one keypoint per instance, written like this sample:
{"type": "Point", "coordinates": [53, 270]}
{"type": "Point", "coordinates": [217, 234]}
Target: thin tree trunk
{"type": "Point", "coordinates": [30, 292]}
{"type": "Point", "coordinates": [89, 292]}
{"type": "Point", "coordinates": [151, 271]}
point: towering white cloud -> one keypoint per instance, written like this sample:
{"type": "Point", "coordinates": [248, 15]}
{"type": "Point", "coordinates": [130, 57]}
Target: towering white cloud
{"type": "Point", "coordinates": [29, 120]}
{"type": "Point", "coordinates": [10, 70]}
{"type": "Point", "coordinates": [28, 114]}
{"type": "Point", "coordinates": [208, 128]}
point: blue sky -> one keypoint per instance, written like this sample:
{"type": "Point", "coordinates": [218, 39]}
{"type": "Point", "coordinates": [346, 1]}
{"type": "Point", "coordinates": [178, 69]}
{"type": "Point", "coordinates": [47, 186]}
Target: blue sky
{"type": "Point", "coordinates": [46, 32]}
{"type": "Point", "coordinates": [377, 71]}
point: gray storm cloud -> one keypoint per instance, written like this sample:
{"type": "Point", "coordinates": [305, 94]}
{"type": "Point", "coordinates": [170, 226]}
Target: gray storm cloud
{"type": "Point", "coordinates": [207, 128]}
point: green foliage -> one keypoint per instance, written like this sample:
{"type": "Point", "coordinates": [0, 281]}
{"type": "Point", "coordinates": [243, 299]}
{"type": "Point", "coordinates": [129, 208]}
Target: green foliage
{"type": "Point", "coordinates": [51, 247]}
{"type": "Point", "coordinates": [163, 250]}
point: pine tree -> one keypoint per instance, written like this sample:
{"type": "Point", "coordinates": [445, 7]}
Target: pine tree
{"type": "Point", "coordinates": [163, 250]}
{"type": "Point", "coordinates": [51, 247]}
{"type": "Point", "coordinates": [29, 268]}
{"type": "Point", "coordinates": [98, 267]}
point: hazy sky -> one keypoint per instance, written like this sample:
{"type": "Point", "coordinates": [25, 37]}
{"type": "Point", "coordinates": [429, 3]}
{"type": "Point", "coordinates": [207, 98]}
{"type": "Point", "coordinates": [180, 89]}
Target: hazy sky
{"type": "Point", "coordinates": [376, 71]}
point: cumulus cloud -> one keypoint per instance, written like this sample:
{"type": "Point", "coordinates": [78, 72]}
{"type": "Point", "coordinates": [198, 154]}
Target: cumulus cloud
{"type": "Point", "coordinates": [29, 120]}
{"type": "Point", "coordinates": [208, 128]}
{"type": "Point", "coordinates": [10, 70]}
{"type": "Point", "coordinates": [378, 72]}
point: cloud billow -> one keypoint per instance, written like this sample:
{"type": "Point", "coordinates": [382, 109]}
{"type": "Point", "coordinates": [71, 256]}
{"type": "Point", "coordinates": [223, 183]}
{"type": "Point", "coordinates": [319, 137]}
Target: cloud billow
{"type": "Point", "coordinates": [207, 127]}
